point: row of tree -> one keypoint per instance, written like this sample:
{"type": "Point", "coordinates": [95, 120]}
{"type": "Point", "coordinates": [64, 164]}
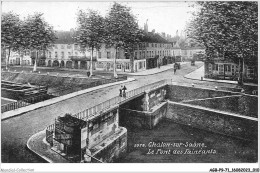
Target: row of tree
{"type": "Point", "coordinates": [227, 29]}
{"type": "Point", "coordinates": [118, 29]}
{"type": "Point", "coordinates": [33, 34]}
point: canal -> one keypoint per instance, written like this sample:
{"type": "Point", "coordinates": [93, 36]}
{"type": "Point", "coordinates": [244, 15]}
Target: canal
{"type": "Point", "coordinates": [187, 145]}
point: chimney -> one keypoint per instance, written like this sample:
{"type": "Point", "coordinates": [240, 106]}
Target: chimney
{"type": "Point", "coordinates": [146, 27]}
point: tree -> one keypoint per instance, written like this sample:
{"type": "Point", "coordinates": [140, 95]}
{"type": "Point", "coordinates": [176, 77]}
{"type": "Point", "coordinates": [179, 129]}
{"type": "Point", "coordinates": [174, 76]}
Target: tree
{"type": "Point", "coordinates": [90, 32]}
{"type": "Point", "coordinates": [122, 31]}
{"type": "Point", "coordinates": [39, 35]}
{"type": "Point", "coordinates": [10, 33]}
{"type": "Point", "coordinates": [227, 29]}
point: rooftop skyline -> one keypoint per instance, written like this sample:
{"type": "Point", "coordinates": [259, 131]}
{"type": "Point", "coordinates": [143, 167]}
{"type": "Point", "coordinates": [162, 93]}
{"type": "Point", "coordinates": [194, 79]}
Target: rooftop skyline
{"type": "Point", "coordinates": [165, 17]}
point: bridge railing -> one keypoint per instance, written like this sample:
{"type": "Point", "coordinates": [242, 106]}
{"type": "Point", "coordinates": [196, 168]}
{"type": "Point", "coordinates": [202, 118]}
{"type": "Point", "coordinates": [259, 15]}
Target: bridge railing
{"type": "Point", "coordinates": [88, 113]}
{"type": "Point", "coordinates": [24, 102]}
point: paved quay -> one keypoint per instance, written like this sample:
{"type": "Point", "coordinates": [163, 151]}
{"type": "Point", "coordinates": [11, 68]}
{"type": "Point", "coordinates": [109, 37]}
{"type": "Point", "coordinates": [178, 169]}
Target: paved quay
{"type": "Point", "coordinates": [154, 70]}
{"type": "Point", "coordinates": [199, 73]}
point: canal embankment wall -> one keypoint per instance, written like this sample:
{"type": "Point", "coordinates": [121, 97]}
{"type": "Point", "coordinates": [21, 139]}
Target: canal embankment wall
{"type": "Point", "coordinates": [225, 112]}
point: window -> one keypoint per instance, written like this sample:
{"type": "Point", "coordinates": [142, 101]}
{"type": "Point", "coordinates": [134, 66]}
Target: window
{"type": "Point", "coordinates": [56, 46]}
{"type": "Point", "coordinates": [155, 45]}
{"type": "Point", "coordinates": [228, 67]}
{"type": "Point", "coordinates": [127, 66]}
{"type": "Point", "coordinates": [152, 44]}
{"type": "Point", "coordinates": [56, 54]}
{"type": "Point", "coordinates": [135, 54]}
{"type": "Point", "coordinates": [69, 53]}
{"type": "Point", "coordinates": [210, 68]}
{"type": "Point", "coordinates": [99, 54]}
{"type": "Point", "coordinates": [147, 44]}
{"type": "Point", "coordinates": [108, 55]}
{"type": "Point", "coordinates": [140, 65]}
{"type": "Point", "coordinates": [221, 69]}
{"type": "Point", "coordinates": [140, 54]}
{"type": "Point", "coordinates": [69, 46]}
{"type": "Point", "coordinates": [216, 67]}
{"type": "Point", "coordinates": [118, 66]}
{"type": "Point", "coordinates": [49, 54]}
{"type": "Point", "coordinates": [250, 72]}
{"type": "Point", "coordinates": [62, 46]}
{"type": "Point", "coordinates": [62, 54]}
{"type": "Point", "coordinates": [233, 70]}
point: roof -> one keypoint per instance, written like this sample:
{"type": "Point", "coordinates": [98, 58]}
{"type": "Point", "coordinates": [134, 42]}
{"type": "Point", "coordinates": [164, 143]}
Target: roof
{"type": "Point", "coordinates": [151, 37]}
{"type": "Point", "coordinates": [192, 48]}
{"type": "Point", "coordinates": [71, 121]}
{"type": "Point", "coordinates": [64, 37]}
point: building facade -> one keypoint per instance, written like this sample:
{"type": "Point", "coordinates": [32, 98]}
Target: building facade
{"type": "Point", "coordinates": [68, 55]}
{"type": "Point", "coordinates": [220, 68]}
{"type": "Point", "coordinates": [16, 58]}
{"type": "Point", "coordinates": [152, 51]}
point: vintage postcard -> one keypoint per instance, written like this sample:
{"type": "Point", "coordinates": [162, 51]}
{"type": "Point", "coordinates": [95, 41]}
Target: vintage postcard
{"type": "Point", "coordinates": [133, 86]}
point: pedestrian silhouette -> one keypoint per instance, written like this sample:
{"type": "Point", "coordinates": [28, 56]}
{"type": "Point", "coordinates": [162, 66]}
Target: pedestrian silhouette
{"type": "Point", "coordinates": [120, 91]}
{"type": "Point", "coordinates": [174, 67]}
{"type": "Point", "coordinates": [124, 94]}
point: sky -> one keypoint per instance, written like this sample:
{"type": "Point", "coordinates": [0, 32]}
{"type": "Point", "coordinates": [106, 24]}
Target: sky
{"type": "Point", "coordinates": [162, 16]}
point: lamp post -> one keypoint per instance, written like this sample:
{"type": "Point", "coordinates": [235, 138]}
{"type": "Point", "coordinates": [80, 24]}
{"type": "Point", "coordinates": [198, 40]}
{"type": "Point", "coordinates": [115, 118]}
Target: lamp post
{"type": "Point", "coordinates": [117, 48]}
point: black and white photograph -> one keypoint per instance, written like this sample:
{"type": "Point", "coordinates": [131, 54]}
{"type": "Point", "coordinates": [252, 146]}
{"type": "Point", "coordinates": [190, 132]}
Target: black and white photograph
{"type": "Point", "coordinates": [129, 86]}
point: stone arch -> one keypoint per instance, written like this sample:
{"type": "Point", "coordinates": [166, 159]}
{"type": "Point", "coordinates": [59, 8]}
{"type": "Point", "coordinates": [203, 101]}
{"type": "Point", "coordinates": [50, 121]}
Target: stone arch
{"type": "Point", "coordinates": [49, 63]}
{"type": "Point", "coordinates": [41, 62]}
{"type": "Point", "coordinates": [55, 63]}
{"type": "Point", "coordinates": [76, 65]}
{"type": "Point", "coordinates": [83, 65]}
{"type": "Point", "coordinates": [62, 64]}
{"type": "Point", "coordinates": [69, 64]}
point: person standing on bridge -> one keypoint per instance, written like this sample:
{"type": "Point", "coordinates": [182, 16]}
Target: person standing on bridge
{"type": "Point", "coordinates": [124, 94]}
{"type": "Point", "coordinates": [120, 91]}
{"type": "Point", "coordinates": [174, 68]}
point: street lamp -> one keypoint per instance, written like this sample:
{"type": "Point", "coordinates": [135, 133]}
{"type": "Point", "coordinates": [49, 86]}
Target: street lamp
{"type": "Point", "coordinates": [120, 43]}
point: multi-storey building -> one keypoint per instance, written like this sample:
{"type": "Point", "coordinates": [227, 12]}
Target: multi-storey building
{"type": "Point", "coordinates": [152, 51]}
{"type": "Point", "coordinates": [16, 59]}
{"type": "Point", "coordinates": [65, 53]}
{"type": "Point", "coordinates": [225, 68]}
{"type": "Point", "coordinates": [188, 52]}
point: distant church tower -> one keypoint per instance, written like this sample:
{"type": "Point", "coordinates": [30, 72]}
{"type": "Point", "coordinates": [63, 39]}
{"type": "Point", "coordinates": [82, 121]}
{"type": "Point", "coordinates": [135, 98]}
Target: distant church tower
{"type": "Point", "coordinates": [146, 27]}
